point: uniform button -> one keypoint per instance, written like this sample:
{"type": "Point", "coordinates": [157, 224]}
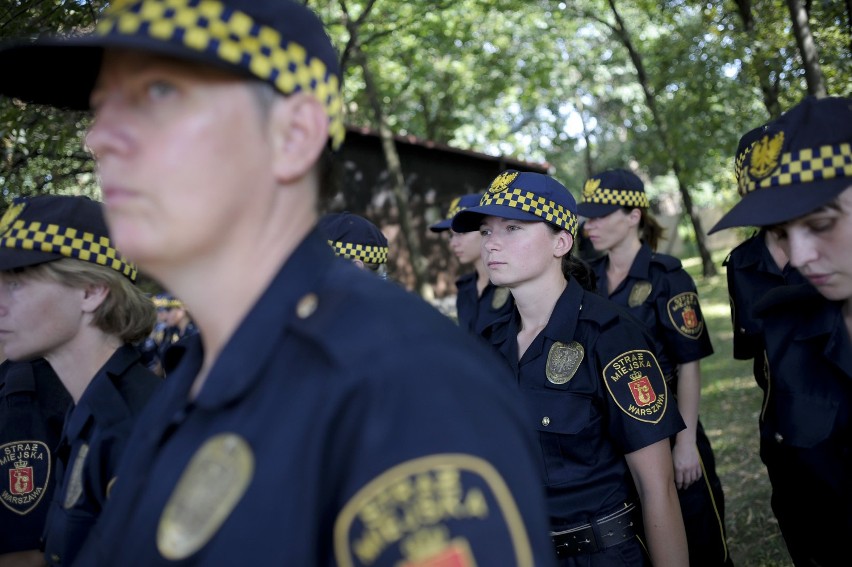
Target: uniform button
{"type": "Point", "coordinates": [779, 438]}
{"type": "Point", "coordinates": [55, 558]}
{"type": "Point", "coordinates": [306, 306]}
{"type": "Point", "coordinates": [742, 330]}
{"type": "Point", "coordinates": [545, 421]}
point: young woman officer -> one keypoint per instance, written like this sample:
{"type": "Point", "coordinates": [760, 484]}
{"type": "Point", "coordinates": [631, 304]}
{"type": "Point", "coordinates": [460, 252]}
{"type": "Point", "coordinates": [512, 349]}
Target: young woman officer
{"type": "Point", "coordinates": [68, 296]}
{"type": "Point", "coordinates": [657, 290]}
{"type": "Point", "coordinates": [478, 301]}
{"type": "Point", "coordinates": [589, 377]}
{"type": "Point", "coordinates": [797, 182]}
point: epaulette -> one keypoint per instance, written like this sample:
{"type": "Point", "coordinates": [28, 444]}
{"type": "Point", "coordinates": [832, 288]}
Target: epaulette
{"type": "Point", "coordinates": [799, 298]}
{"type": "Point", "coordinates": [670, 263]}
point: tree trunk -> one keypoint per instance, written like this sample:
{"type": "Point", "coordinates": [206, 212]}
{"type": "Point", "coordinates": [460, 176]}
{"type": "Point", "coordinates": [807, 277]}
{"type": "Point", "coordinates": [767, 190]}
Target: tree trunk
{"type": "Point", "coordinates": [397, 180]}
{"type": "Point", "coordinates": [760, 62]}
{"type": "Point", "coordinates": [708, 268]}
{"type": "Point", "coordinates": [807, 48]}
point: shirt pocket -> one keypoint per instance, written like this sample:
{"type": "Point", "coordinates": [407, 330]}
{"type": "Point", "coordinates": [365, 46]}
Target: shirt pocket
{"type": "Point", "coordinates": [566, 426]}
{"type": "Point", "coordinates": [804, 421]}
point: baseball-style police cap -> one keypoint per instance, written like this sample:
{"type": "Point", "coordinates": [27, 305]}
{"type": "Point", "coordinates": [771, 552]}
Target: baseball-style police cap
{"type": "Point", "coordinates": [280, 42]}
{"type": "Point", "coordinates": [354, 237]}
{"type": "Point", "coordinates": [457, 205]}
{"type": "Point", "coordinates": [42, 229]}
{"type": "Point", "coordinates": [796, 164]}
{"type": "Point", "coordinates": [611, 190]}
{"type": "Point", "coordinates": [165, 301]}
{"type": "Point", "coordinates": [522, 196]}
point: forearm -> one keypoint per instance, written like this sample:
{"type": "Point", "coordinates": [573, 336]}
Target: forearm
{"type": "Point", "coordinates": [688, 399]}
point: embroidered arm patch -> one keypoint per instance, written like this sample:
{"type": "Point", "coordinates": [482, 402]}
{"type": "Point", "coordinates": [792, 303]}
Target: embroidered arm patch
{"type": "Point", "coordinates": [26, 470]}
{"type": "Point", "coordinates": [436, 511]}
{"type": "Point", "coordinates": [635, 382]}
{"type": "Point", "coordinates": [685, 314]}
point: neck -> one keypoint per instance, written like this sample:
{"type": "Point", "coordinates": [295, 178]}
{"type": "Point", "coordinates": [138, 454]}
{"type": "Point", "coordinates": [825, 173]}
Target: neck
{"type": "Point", "coordinates": [481, 275]}
{"type": "Point", "coordinates": [536, 300]}
{"type": "Point", "coordinates": [621, 255]}
{"type": "Point", "coordinates": [78, 362]}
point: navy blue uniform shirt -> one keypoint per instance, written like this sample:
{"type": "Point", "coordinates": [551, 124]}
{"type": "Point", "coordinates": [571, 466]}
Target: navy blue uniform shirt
{"type": "Point", "coordinates": [595, 392]}
{"type": "Point", "coordinates": [346, 422]}
{"type": "Point", "coordinates": [751, 272]}
{"type": "Point", "coordinates": [806, 424]}
{"type": "Point", "coordinates": [659, 292]}
{"type": "Point", "coordinates": [95, 435]}
{"type": "Point", "coordinates": [33, 403]}
{"type": "Point", "coordinates": [476, 312]}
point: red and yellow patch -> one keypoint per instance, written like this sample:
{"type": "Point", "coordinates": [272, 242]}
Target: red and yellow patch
{"type": "Point", "coordinates": [429, 512]}
{"type": "Point", "coordinates": [26, 468]}
{"type": "Point", "coordinates": [635, 382]}
{"type": "Point", "coordinates": [685, 314]}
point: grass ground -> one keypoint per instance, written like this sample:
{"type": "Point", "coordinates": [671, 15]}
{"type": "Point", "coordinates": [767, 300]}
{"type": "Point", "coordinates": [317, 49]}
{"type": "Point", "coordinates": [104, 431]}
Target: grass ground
{"type": "Point", "coordinates": [730, 405]}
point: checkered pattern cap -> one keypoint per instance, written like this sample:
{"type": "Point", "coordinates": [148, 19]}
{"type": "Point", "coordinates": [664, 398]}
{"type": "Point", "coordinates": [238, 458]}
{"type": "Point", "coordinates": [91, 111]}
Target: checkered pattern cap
{"type": "Point", "coordinates": [46, 228]}
{"type": "Point", "coordinates": [522, 196]}
{"type": "Point", "coordinates": [456, 206]}
{"type": "Point", "coordinates": [611, 190]}
{"type": "Point", "coordinates": [354, 237]}
{"type": "Point", "coordinates": [280, 42]}
{"type": "Point", "coordinates": [799, 162]}
{"type": "Point", "coordinates": [166, 301]}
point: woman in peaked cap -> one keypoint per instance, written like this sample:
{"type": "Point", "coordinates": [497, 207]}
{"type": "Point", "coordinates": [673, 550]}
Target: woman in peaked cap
{"type": "Point", "coordinates": [313, 391]}
{"type": "Point", "coordinates": [587, 372]}
{"type": "Point", "coordinates": [67, 295]}
{"type": "Point", "coordinates": [796, 181]}
{"type": "Point", "coordinates": [657, 290]}
{"type": "Point", "coordinates": [478, 301]}
{"type": "Point", "coordinates": [354, 237]}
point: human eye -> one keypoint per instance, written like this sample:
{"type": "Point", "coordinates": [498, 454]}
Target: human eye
{"type": "Point", "coordinates": [159, 89]}
{"type": "Point", "coordinates": [484, 231]}
{"type": "Point", "coordinates": [821, 224]}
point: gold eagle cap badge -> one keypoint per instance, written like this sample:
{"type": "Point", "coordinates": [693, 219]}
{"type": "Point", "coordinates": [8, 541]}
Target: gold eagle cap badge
{"type": "Point", "coordinates": [563, 360]}
{"type": "Point", "coordinates": [765, 155]}
{"type": "Point", "coordinates": [591, 186]}
{"type": "Point", "coordinates": [502, 182]}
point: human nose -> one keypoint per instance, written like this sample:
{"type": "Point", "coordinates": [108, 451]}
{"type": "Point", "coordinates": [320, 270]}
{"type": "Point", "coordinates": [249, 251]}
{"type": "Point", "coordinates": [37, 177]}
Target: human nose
{"type": "Point", "coordinates": [801, 249]}
{"type": "Point", "coordinates": [109, 129]}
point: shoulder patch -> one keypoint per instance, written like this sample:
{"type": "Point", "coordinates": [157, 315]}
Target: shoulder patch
{"type": "Point", "coordinates": [670, 263]}
{"type": "Point", "coordinates": [419, 514]}
{"type": "Point", "coordinates": [635, 382]}
{"type": "Point", "coordinates": [685, 314]}
{"type": "Point", "coordinates": [25, 467]}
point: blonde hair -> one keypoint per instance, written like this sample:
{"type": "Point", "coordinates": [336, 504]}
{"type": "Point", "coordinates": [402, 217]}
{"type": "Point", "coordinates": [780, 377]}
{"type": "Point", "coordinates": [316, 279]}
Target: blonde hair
{"type": "Point", "coordinates": [126, 312]}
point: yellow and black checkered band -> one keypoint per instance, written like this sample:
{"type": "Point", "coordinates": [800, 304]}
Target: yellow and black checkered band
{"type": "Point", "coordinates": [366, 253]}
{"type": "Point", "coordinates": [231, 36]}
{"type": "Point", "coordinates": [68, 242]}
{"type": "Point", "coordinates": [529, 202]}
{"type": "Point", "coordinates": [768, 169]}
{"type": "Point", "coordinates": [455, 208]}
{"type": "Point", "coordinates": [620, 197]}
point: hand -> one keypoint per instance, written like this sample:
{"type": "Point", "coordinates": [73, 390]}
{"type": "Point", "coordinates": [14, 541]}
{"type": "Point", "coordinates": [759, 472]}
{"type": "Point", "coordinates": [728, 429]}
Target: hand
{"type": "Point", "coordinates": [687, 466]}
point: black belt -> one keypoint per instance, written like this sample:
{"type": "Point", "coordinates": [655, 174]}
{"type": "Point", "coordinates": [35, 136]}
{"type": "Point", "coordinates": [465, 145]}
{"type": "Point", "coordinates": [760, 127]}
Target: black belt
{"type": "Point", "coordinates": [604, 532]}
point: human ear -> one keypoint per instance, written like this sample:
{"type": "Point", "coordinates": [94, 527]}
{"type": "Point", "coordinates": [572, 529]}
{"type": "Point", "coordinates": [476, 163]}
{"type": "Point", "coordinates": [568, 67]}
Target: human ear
{"type": "Point", "coordinates": [93, 296]}
{"type": "Point", "coordinates": [564, 243]}
{"type": "Point", "coordinates": [299, 126]}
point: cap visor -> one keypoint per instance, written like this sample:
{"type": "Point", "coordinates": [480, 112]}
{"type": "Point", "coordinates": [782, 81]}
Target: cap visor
{"type": "Point", "coordinates": [469, 220]}
{"type": "Point", "coordinates": [765, 207]}
{"type": "Point", "coordinates": [61, 72]}
{"type": "Point", "coordinates": [441, 226]}
{"type": "Point", "coordinates": [595, 210]}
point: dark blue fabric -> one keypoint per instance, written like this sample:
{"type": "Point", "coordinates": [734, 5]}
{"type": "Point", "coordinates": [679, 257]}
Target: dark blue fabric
{"type": "Point", "coordinates": [101, 421]}
{"type": "Point", "coordinates": [806, 426]}
{"type": "Point", "coordinates": [583, 433]}
{"type": "Point", "coordinates": [476, 312]}
{"type": "Point", "coordinates": [703, 502]}
{"type": "Point", "coordinates": [372, 384]}
{"type": "Point", "coordinates": [33, 403]}
{"type": "Point", "coordinates": [751, 272]}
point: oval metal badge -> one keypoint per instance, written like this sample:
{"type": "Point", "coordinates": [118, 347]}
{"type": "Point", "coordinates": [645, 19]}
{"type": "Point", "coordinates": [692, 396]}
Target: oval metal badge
{"type": "Point", "coordinates": [74, 487]}
{"type": "Point", "coordinates": [563, 361]}
{"type": "Point", "coordinates": [213, 483]}
{"type": "Point", "coordinates": [501, 296]}
{"type": "Point", "coordinates": [639, 293]}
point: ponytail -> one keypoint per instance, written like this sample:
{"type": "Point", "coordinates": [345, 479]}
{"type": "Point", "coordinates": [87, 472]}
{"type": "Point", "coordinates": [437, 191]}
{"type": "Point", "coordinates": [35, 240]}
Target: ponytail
{"type": "Point", "coordinates": [650, 230]}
